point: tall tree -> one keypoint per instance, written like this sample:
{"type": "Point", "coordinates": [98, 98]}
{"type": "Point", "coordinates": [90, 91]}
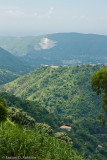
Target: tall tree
{"type": "Point", "coordinates": [3, 110]}
{"type": "Point", "coordinates": [99, 85]}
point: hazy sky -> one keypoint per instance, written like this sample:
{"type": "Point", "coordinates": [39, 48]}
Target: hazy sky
{"type": "Point", "coordinates": [35, 17]}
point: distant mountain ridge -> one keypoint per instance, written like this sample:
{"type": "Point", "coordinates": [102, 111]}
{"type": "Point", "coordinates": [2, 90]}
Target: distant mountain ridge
{"type": "Point", "coordinates": [58, 49]}
{"type": "Point", "coordinates": [7, 58]}
{"type": "Point", "coordinates": [12, 63]}
{"type": "Point", "coordinates": [7, 76]}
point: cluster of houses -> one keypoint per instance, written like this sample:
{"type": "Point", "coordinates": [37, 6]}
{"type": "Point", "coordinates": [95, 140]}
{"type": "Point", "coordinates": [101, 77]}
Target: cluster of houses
{"type": "Point", "coordinates": [51, 66]}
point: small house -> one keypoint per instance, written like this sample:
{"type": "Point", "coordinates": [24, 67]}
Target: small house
{"type": "Point", "coordinates": [66, 128]}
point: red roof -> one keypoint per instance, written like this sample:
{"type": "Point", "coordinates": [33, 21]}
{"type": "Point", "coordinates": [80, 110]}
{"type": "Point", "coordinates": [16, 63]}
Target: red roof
{"type": "Point", "coordinates": [65, 127]}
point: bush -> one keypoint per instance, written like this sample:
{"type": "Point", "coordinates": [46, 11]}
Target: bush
{"type": "Point", "coordinates": [20, 117]}
{"type": "Point", "coordinates": [3, 110]}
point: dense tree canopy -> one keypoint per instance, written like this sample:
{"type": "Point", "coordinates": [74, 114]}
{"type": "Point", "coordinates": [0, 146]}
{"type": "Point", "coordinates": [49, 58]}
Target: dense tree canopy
{"type": "Point", "coordinates": [3, 110]}
{"type": "Point", "coordinates": [99, 85]}
{"type": "Point", "coordinates": [65, 91]}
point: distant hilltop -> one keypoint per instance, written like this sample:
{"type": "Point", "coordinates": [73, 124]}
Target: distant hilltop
{"type": "Point", "coordinates": [51, 66]}
{"type": "Point", "coordinates": [58, 49]}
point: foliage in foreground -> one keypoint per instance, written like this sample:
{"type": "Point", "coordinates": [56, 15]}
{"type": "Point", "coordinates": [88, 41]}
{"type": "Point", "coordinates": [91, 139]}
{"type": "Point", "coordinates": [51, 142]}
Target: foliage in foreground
{"type": "Point", "coordinates": [15, 141]}
{"type": "Point", "coordinates": [99, 85]}
{"type": "Point", "coordinates": [33, 109]}
{"type": "Point", "coordinates": [18, 116]}
{"type": "Point", "coordinates": [3, 110]}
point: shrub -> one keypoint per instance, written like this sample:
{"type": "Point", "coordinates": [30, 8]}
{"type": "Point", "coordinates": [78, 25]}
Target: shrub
{"type": "Point", "coordinates": [3, 110]}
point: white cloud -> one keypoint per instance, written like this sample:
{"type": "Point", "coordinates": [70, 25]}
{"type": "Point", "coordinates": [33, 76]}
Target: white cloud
{"type": "Point", "coordinates": [11, 11]}
{"type": "Point", "coordinates": [82, 17]}
{"type": "Point", "coordinates": [78, 17]}
{"type": "Point", "coordinates": [47, 43]}
{"type": "Point", "coordinates": [35, 14]}
{"type": "Point", "coordinates": [15, 12]}
{"type": "Point", "coordinates": [44, 14]}
{"type": "Point", "coordinates": [51, 10]}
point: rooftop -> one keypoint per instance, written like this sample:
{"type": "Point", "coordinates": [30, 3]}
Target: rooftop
{"type": "Point", "coordinates": [65, 127]}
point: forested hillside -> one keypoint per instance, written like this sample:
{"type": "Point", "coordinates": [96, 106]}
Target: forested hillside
{"type": "Point", "coordinates": [65, 90]}
{"type": "Point", "coordinates": [21, 136]}
{"type": "Point", "coordinates": [40, 114]}
{"type": "Point", "coordinates": [89, 136]}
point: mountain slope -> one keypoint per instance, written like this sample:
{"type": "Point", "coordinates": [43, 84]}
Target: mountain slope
{"type": "Point", "coordinates": [89, 136]}
{"type": "Point", "coordinates": [7, 76]}
{"type": "Point", "coordinates": [64, 90]}
{"type": "Point", "coordinates": [40, 114]}
{"type": "Point", "coordinates": [58, 49]}
{"type": "Point", "coordinates": [12, 63]}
